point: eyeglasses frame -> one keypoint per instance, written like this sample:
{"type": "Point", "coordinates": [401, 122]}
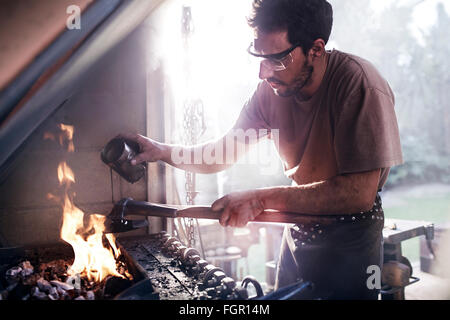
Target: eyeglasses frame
{"type": "Point", "coordinates": [274, 57]}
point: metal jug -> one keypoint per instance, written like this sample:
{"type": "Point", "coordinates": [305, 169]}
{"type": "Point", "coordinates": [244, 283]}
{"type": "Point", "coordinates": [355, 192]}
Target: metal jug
{"type": "Point", "coordinates": [118, 153]}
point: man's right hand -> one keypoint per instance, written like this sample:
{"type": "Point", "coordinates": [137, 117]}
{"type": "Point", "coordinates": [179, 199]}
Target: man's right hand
{"type": "Point", "coordinates": [150, 150]}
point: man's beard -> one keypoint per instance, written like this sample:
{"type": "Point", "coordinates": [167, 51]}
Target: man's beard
{"type": "Point", "coordinates": [301, 81]}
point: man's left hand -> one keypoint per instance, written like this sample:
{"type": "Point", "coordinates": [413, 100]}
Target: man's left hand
{"type": "Point", "coordinates": [238, 208]}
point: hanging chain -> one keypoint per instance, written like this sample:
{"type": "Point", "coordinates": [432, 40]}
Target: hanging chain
{"type": "Point", "coordinates": [194, 127]}
{"type": "Point", "coordinates": [193, 122]}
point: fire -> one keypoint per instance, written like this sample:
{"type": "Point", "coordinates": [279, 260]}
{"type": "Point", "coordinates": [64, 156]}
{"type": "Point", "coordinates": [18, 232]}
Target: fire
{"type": "Point", "coordinates": [92, 258]}
{"type": "Point", "coordinates": [49, 136]}
{"type": "Point", "coordinates": [65, 174]}
{"type": "Point", "coordinates": [67, 134]}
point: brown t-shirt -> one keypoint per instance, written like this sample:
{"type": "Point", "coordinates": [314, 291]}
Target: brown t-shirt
{"type": "Point", "coordinates": [348, 125]}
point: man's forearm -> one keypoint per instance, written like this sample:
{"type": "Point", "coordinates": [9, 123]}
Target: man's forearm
{"type": "Point", "coordinates": [190, 158]}
{"type": "Point", "coordinates": [209, 157]}
{"type": "Point", "coordinates": [339, 195]}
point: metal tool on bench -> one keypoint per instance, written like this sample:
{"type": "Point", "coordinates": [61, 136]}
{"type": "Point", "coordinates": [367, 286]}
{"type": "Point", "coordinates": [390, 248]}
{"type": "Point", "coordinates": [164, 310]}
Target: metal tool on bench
{"type": "Point", "coordinates": [397, 270]}
{"type": "Point", "coordinates": [116, 221]}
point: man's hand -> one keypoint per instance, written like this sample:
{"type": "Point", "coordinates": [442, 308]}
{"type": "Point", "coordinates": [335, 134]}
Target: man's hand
{"type": "Point", "coordinates": [238, 208]}
{"type": "Point", "coordinates": [151, 150]}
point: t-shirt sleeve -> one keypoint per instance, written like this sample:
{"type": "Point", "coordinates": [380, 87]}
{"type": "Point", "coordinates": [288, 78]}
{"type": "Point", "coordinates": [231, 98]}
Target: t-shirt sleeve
{"type": "Point", "coordinates": [366, 132]}
{"type": "Point", "coordinates": [252, 114]}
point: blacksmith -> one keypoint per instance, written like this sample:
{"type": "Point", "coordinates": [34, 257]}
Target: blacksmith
{"type": "Point", "coordinates": [338, 138]}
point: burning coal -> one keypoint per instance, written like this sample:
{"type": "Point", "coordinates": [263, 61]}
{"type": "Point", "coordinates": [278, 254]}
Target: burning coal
{"type": "Point", "coordinates": [98, 270]}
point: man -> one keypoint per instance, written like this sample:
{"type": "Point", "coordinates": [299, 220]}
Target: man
{"type": "Point", "coordinates": [338, 137]}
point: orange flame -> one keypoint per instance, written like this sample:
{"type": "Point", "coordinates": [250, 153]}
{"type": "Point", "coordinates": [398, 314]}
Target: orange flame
{"type": "Point", "coordinates": [67, 129]}
{"type": "Point", "coordinates": [68, 135]}
{"type": "Point", "coordinates": [65, 174]}
{"type": "Point", "coordinates": [49, 136]}
{"type": "Point", "coordinates": [92, 259]}
{"type": "Point", "coordinates": [112, 242]}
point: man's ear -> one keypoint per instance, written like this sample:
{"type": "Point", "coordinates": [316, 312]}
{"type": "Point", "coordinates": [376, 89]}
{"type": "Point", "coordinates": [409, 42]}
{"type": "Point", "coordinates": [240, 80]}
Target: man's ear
{"type": "Point", "coordinates": [318, 49]}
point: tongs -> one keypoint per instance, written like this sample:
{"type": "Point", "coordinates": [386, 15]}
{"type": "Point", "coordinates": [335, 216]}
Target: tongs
{"type": "Point", "coordinates": [116, 221]}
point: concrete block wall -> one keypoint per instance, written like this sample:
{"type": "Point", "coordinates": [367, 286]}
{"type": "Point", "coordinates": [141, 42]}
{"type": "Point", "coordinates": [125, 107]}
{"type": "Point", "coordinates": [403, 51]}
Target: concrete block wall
{"type": "Point", "coordinates": [112, 100]}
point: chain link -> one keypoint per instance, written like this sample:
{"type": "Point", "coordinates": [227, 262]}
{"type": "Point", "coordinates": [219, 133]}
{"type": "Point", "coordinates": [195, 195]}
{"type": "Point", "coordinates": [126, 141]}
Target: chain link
{"type": "Point", "coordinates": [193, 123]}
{"type": "Point", "coordinates": [194, 127]}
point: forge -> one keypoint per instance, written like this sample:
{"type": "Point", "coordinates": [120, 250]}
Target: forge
{"type": "Point", "coordinates": [154, 267]}
{"type": "Point", "coordinates": [41, 273]}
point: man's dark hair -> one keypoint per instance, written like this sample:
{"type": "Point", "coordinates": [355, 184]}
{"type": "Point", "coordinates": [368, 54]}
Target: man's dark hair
{"type": "Point", "coordinates": [304, 20]}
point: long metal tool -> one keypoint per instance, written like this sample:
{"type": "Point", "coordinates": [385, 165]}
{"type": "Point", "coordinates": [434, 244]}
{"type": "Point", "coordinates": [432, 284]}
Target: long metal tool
{"type": "Point", "coordinates": [116, 221]}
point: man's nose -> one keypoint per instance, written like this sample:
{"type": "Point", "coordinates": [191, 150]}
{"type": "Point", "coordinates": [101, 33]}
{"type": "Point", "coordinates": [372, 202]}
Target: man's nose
{"type": "Point", "coordinates": [264, 71]}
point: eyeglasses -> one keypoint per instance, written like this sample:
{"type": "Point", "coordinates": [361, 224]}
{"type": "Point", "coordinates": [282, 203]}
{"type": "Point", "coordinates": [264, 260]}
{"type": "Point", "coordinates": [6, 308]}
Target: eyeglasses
{"type": "Point", "coordinates": [275, 61]}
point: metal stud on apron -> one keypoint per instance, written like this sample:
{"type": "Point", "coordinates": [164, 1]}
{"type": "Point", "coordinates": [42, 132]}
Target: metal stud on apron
{"type": "Point", "coordinates": [333, 256]}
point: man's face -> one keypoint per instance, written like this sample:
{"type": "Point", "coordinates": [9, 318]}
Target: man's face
{"type": "Point", "coordinates": [298, 70]}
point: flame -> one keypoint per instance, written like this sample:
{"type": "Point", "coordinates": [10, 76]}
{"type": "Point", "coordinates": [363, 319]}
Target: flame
{"type": "Point", "coordinates": [65, 174]}
{"type": "Point", "coordinates": [49, 136]}
{"type": "Point", "coordinates": [66, 135]}
{"type": "Point", "coordinates": [51, 196]}
{"type": "Point", "coordinates": [68, 130]}
{"type": "Point", "coordinates": [92, 259]}
{"type": "Point", "coordinates": [112, 242]}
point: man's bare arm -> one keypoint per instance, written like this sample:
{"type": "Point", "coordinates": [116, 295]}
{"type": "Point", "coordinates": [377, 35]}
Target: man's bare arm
{"type": "Point", "coordinates": [349, 193]}
{"type": "Point", "coordinates": [195, 163]}
{"type": "Point", "coordinates": [209, 157]}
{"type": "Point", "coordinates": [343, 194]}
